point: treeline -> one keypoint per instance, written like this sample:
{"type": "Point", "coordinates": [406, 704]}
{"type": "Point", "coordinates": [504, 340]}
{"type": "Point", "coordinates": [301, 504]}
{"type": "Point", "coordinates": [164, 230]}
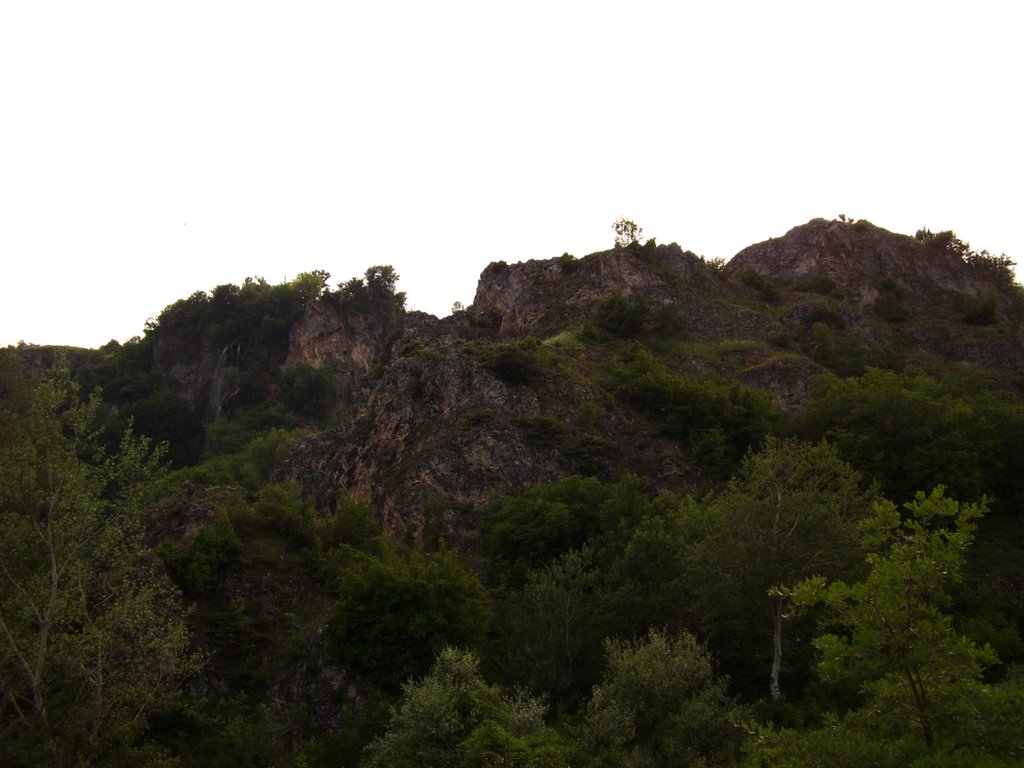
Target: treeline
{"type": "Point", "coordinates": [843, 590]}
{"type": "Point", "coordinates": [794, 616]}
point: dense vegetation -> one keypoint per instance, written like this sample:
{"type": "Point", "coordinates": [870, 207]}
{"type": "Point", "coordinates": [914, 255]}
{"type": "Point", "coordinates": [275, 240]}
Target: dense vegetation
{"type": "Point", "coordinates": [843, 590]}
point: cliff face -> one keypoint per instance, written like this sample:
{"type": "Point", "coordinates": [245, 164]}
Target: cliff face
{"type": "Point", "coordinates": [350, 346]}
{"type": "Point", "coordinates": [431, 426]}
{"type": "Point", "coordinates": [857, 256]}
{"type": "Point", "coordinates": [538, 296]}
{"type": "Point", "coordinates": [434, 431]}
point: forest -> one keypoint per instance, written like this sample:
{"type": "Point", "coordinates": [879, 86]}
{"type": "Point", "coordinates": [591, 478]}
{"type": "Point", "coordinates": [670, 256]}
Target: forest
{"type": "Point", "coordinates": [193, 572]}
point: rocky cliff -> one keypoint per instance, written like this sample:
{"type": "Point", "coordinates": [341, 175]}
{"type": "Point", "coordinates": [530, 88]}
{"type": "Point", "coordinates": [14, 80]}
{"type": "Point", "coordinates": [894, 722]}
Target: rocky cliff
{"type": "Point", "coordinates": [439, 415]}
{"type": "Point", "coordinates": [857, 256]}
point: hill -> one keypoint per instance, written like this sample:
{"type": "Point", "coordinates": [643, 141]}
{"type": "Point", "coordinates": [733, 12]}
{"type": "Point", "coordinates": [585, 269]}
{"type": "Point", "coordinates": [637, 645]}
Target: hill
{"type": "Point", "coordinates": [353, 486]}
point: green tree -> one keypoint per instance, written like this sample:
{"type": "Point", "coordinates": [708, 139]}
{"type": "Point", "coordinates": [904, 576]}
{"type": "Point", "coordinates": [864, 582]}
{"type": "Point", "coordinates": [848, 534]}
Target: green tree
{"type": "Point", "coordinates": [374, 293]}
{"type": "Point", "coordinates": [660, 704]}
{"type": "Point", "coordinates": [551, 629]}
{"type": "Point", "coordinates": [924, 695]}
{"type": "Point", "coordinates": [790, 513]}
{"type": "Point", "coordinates": [627, 232]}
{"type": "Point", "coordinates": [394, 613]}
{"type": "Point", "coordinates": [91, 637]}
{"type": "Point", "coordinates": [452, 718]}
{"type": "Point", "coordinates": [908, 431]}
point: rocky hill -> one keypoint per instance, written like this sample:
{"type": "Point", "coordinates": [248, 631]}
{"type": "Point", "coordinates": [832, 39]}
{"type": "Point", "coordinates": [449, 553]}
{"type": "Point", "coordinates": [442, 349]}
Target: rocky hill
{"type": "Point", "coordinates": [514, 456]}
{"type": "Point", "coordinates": [442, 414]}
{"type": "Point", "coordinates": [432, 417]}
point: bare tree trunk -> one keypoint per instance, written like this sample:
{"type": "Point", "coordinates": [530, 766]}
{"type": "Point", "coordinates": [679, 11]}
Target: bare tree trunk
{"type": "Point", "coordinates": [778, 607]}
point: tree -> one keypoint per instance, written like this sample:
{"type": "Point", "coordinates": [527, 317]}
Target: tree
{"type": "Point", "coordinates": [660, 704]}
{"type": "Point", "coordinates": [551, 629]}
{"type": "Point", "coordinates": [790, 513]}
{"type": "Point", "coordinates": [452, 717]}
{"type": "Point", "coordinates": [924, 697]}
{"type": "Point", "coordinates": [374, 293]}
{"type": "Point", "coordinates": [394, 613]}
{"type": "Point", "coordinates": [627, 232]}
{"type": "Point", "coordinates": [908, 431]}
{"type": "Point", "coordinates": [91, 638]}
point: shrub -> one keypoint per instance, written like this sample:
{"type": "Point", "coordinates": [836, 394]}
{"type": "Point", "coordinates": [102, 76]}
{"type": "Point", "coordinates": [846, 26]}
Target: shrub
{"type": "Point", "coordinates": [515, 362]}
{"type": "Point", "coordinates": [979, 310]}
{"type": "Point", "coordinates": [718, 422]}
{"type": "Point", "coordinates": [751, 278]}
{"type": "Point", "coordinates": [310, 391]}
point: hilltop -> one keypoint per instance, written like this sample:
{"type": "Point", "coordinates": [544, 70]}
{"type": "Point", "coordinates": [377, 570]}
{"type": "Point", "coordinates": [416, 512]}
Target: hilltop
{"type": "Point", "coordinates": [354, 486]}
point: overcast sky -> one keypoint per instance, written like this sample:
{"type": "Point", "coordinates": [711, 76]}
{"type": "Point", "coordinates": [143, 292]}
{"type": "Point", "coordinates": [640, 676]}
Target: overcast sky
{"type": "Point", "coordinates": [152, 149]}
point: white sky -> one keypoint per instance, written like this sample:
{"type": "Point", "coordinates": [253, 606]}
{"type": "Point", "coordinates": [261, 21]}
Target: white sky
{"type": "Point", "coordinates": [151, 149]}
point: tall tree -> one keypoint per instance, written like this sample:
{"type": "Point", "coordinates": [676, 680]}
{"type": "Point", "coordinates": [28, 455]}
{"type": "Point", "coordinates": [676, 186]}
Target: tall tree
{"type": "Point", "coordinates": [789, 514]}
{"type": "Point", "coordinates": [451, 717]}
{"type": "Point", "coordinates": [90, 639]}
{"type": "Point", "coordinates": [925, 701]}
{"type": "Point", "coordinates": [660, 704]}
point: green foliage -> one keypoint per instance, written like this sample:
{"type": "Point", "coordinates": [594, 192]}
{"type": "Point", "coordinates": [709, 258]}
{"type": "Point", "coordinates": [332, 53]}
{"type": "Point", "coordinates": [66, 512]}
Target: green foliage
{"type": "Point", "coordinates": [91, 638]}
{"type": "Point", "coordinates": [351, 525]}
{"type": "Point", "coordinates": [526, 532]}
{"type": "Point", "coordinates": [166, 417]}
{"type": "Point", "coordinates": [945, 241]}
{"type": "Point", "coordinates": [374, 294]}
{"type": "Point", "coordinates": [998, 269]}
{"type": "Point", "coordinates": [524, 361]}
{"type": "Point", "coordinates": [841, 353]}
{"type": "Point", "coordinates": [621, 317]}
{"type": "Point", "coordinates": [889, 305]}
{"type": "Point", "coordinates": [553, 629]}
{"type": "Point", "coordinates": [660, 704]}
{"type": "Point", "coordinates": [790, 513]}
{"type": "Point", "coordinates": [451, 718]}
{"type": "Point", "coordinates": [627, 233]}
{"type": "Point", "coordinates": [577, 561]}
{"type": "Point", "coordinates": [280, 511]}
{"type": "Point", "coordinates": [908, 431]}
{"type": "Point", "coordinates": [257, 316]}
{"type": "Point", "coordinates": [979, 310]}
{"type": "Point", "coordinates": [628, 318]}
{"type": "Point", "coordinates": [541, 431]}
{"type": "Point", "coordinates": [310, 391]}
{"type": "Point", "coordinates": [394, 613]}
{"type": "Point", "coordinates": [751, 278]}
{"type": "Point", "coordinates": [717, 422]}
{"type": "Point", "coordinates": [818, 284]}
{"type": "Point", "coordinates": [248, 466]}
{"type": "Point", "coordinates": [924, 697]}
{"type": "Point", "coordinates": [197, 566]}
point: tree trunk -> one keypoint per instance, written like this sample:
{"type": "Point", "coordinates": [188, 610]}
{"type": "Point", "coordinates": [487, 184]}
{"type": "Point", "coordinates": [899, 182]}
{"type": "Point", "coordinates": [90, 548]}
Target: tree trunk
{"type": "Point", "coordinates": [778, 606]}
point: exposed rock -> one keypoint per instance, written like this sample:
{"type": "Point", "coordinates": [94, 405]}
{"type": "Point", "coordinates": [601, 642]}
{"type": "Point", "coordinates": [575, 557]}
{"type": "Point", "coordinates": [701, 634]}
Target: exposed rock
{"type": "Point", "coordinates": [537, 297]}
{"type": "Point", "coordinates": [351, 346]}
{"type": "Point", "coordinates": [856, 256]}
{"type": "Point", "coordinates": [438, 427]}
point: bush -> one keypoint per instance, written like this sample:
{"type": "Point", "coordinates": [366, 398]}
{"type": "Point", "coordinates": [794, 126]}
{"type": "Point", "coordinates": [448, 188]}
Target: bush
{"type": "Point", "coordinates": [197, 566]}
{"type": "Point", "coordinates": [751, 278]}
{"type": "Point", "coordinates": [660, 703]}
{"type": "Point", "coordinates": [310, 391]}
{"type": "Point", "coordinates": [515, 362]}
{"type": "Point", "coordinates": [890, 307]}
{"type": "Point", "coordinates": [393, 614]}
{"type": "Point", "coordinates": [979, 310]}
{"type": "Point", "coordinates": [718, 422]}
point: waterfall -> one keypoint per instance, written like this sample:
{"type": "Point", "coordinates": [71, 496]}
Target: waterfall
{"type": "Point", "coordinates": [216, 386]}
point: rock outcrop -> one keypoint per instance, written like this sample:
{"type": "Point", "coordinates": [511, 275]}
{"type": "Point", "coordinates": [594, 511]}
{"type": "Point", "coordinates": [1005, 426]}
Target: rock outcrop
{"type": "Point", "coordinates": [432, 429]}
{"type": "Point", "coordinates": [857, 255]}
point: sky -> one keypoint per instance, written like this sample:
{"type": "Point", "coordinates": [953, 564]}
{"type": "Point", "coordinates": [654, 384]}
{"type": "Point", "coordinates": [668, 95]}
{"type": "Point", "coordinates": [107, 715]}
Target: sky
{"type": "Point", "coordinates": [151, 149]}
